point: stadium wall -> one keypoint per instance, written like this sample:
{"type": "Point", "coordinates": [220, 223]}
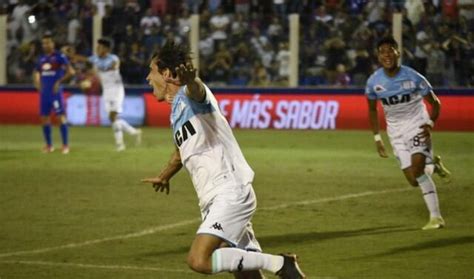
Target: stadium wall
{"type": "Point", "coordinates": [247, 108]}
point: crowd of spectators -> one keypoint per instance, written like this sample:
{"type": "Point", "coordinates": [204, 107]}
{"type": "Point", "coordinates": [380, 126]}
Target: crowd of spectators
{"type": "Point", "coordinates": [245, 42]}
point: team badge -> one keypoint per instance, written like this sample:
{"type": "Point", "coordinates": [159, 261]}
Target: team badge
{"type": "Point", "coordinates": [379, 88]}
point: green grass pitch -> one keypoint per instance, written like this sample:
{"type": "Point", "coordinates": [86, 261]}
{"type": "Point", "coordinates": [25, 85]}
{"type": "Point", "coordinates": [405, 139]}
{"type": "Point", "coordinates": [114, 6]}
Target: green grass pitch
{"type": "Point", "coordinates": [324, 195]}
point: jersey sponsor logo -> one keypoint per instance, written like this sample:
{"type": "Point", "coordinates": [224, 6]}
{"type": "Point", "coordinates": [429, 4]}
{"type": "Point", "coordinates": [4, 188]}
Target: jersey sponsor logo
{"type": "Point", "coordinates": [396, 99]}
{"type": "Point", "coordinates": [379, 88]}
{"type": "Point", "coordinates": [46, 66]}
{"type": "Point", "coordinates": [408, 84]}
{"type": "Point", "coordinates": [185, 132]}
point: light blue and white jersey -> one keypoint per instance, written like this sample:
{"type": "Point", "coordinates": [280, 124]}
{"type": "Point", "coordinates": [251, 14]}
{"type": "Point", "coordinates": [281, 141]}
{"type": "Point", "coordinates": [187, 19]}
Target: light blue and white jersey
{"type": "Point", "coordinates": [109, 77]}
{"type": "Point", "coordinates": [402, 98]}
{"type": "Point", "coordinates": [208, 148]}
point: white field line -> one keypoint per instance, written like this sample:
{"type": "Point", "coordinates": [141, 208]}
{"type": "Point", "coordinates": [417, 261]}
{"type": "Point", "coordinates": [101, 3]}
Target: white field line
{"type": "Point", "coordinates": [192, 221]}
{"type": "Point", "coordinates": [94, 266]}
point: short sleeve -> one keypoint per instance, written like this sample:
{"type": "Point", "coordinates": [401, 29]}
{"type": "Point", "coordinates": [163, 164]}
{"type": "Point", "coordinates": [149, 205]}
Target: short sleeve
{"type": "Point", "coordinates": [369, 90]}
{"type": "Point", "coordinates": [423, 85]}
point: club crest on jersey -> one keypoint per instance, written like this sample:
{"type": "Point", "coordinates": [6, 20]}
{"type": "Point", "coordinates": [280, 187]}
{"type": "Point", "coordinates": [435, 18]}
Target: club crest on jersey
{"type": "Point", "coordinates": [408, 84]}
{"type": "Point", "coordinates": [379, 88]}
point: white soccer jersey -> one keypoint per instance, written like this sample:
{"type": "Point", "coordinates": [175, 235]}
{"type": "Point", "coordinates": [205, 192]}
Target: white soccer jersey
{"type": "Point", "coordinates": [207, 146]}
{"type": "Point", "coordinates": [110, 79]}
{"type": "Point", "coordinates": [402, 99]}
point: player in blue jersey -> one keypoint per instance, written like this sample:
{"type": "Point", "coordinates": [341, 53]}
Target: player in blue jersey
{"type": "Point", "coordinates": [402, 91]}
{"type": "Point", "coordinates": [222, 178]}
{"type": "Point", "coordinates": [51, 71]}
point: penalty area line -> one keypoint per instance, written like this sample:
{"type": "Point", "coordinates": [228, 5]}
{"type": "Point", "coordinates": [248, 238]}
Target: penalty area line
{"type": "Point", "coordinates": [195, 220]}
{"type": "Point", "coordinates": [95, 266]}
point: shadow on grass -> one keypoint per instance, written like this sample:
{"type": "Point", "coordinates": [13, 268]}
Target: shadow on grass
{"type": "Point", "coordinates": [278, 240]}
{"type": "Point", "coordinates": [432, 244]}
{"type": "Point", "coordinates": [282, 239]}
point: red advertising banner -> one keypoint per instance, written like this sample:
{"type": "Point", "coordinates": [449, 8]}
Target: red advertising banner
{"type": "Point", "coordinates": [281, 110]}
{"type": "Point", "coordinates": [307, 111]}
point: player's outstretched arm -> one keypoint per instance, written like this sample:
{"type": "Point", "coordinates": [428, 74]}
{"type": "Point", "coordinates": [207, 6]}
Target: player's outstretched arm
{"type": "Point", "coordinates": [374, 123]}
{"type": "Point", "coordinates": [161, 182]}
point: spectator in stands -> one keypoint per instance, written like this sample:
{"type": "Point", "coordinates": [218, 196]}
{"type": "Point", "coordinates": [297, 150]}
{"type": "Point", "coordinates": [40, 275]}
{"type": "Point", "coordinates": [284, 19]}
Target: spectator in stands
{"type": "Point", "coordinates": [335, 49]}
{"type": "Point", "coordinates": [363, 66]}
{"type": "Point", "coordinates": [421, 52]}
{"type": "Point", "coordinates": [275, 31]}
{"type": "Point", "coordinates": [259, 75]}
{"type": "Point", "coordinates": [148, 22]}
{"type": "Point", "coordinates": [242, 7]}
{"type": "Point", "coordinates": [436, 63]}
{"type": "Point", "coordinates": [220, 67]}
{"type": "Point", "coordinates": [134, 64]}
{"type": "Point", "coordinates": [73, 28]}
{"type": "Point", "coordinates": [220, 23]}
{"type": "Point", "coordinates": [283, 60]}
{"type": "Point", "coordinates": [342, 77]}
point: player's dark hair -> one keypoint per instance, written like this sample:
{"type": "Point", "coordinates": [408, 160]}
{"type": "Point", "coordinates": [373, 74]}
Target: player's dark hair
{"type": "Point", "coordinates": [171, 55]}
{"type": "Point", "coordinates": [47, 35]}
{"type": "Point", "coordinates": [105, 42]}
{"type": "Point", "coordinates": [389, 40]}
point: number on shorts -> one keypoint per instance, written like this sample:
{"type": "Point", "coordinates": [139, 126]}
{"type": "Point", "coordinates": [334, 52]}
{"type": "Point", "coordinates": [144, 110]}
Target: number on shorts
{"type": "Point", "coordinates": [416, 141]}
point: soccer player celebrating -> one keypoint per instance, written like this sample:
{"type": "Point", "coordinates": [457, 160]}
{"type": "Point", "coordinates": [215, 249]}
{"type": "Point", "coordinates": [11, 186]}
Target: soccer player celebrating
{"type": "Point", "coordinates": [113, 92]}
{"type": "Point", "coordinates": [402, 90]}
{"type": "Point", "coordinates": [51, 70]}
{"type": "Point", "coordinates": [206, 147]}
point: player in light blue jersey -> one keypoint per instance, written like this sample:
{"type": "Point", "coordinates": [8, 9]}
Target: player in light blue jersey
{"type": "Point", "coordinates": [207, 148]}
{"type": "Point", "coordinates": [107, 65]}
{"type": "Point", "coordinates": [51, 70]}
{"type": "Point", "coordinates": [402, 91]}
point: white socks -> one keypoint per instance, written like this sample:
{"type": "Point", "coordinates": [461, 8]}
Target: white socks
{"type": "Point", "coordinates": [126, 127]}
{"type": "Point", "coordinates": [120, 125]}
{"type": "Point", "coordinates": [117, 133]}
{"type": "Point", "coordinates": [430, 196]}
{"type": "Point", "coordinates": [234, 259]}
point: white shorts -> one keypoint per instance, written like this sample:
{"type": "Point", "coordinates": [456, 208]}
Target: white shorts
{"type": "Point", "coordinates": [113, 99]}
{"type": "Point", "coordinates": [228, 217]}
{"type": "Point", "coordinates": [406, 145]}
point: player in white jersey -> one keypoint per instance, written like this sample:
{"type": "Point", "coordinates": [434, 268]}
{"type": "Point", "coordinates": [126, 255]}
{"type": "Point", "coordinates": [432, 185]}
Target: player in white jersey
{"type": "Point", "coordinates": [402, 91]}
{"type": "Point", "coordinates": [107, 66]}
{"type": "Point", "coordinates": [206, 147]}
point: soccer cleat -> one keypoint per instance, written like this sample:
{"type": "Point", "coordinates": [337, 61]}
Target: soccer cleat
{"type": "Point", "coordinates": [48, 149]}
{"type": "Point", "coordinates": [434, 224]}
{"type": "Point", "coordinates": [441, 170]}
{"type": "Point", "coordinates": [290, 268]}
{"type": "Point", "coordinates": [65, 149]}
{"type": "Point", "coordinates": [120, 147]}
{"type": "Point", "coordinates": [138, 137]}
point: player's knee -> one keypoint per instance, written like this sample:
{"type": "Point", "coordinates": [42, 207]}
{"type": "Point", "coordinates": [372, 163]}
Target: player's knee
{"type": "Point", "coordinates": [199, 264]}
{"type": "Point", "coordinates": [413, 182]}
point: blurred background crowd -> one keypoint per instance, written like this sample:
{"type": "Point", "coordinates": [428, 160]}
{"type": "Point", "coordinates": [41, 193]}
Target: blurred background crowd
{"type": "Point", "coordinates": [245, 42]}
